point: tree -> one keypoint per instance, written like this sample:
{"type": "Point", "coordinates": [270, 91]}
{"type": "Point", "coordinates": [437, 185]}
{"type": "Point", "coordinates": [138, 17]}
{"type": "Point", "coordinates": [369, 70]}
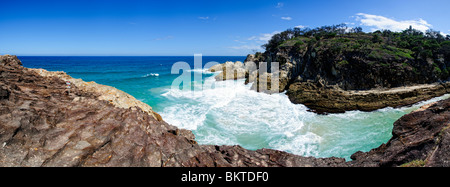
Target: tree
{"type": "Point", "coordinates": [357, 30]}
{"type": "Point", "coordinates": [445, 49]}
{"type": "Point", "coordinates": [432, 34]}
{"type": "Point", "coordinates": [376, 38]}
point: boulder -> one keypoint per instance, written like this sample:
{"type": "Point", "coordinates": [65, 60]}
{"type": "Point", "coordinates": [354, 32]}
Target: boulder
{"type": "Point", "coordinates": [229, 71]}
{"type": "Point", "coordinates": [215, 68]}
{"type": "Point", "coordinates": [10, 60]}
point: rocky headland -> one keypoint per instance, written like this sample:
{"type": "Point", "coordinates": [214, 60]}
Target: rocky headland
{"type": "Point", "coordinates": [45, 123]}
{"type": "Point", "coordinates": [333, 69]}
{"type": "Point", "coordinates": [323, 98]}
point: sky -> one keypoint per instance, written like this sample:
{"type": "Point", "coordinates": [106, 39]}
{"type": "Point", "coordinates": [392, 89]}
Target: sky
{"type": "Point", "coordinates": [185, 28]}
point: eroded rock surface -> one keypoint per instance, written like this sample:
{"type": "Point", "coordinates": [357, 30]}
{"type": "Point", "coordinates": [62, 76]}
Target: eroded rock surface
{"type": "Point", "coordinates": [422, 137]}
{"type": "Point", "coordinates": [328, 99]}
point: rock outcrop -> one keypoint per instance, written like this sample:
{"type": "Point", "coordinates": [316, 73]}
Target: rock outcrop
{"type": "Point", "coordinates": [44, 123]}
{"type": "Point", "coordinates": [263, 81]}
{"type": "Point", "coordinates": [106, 93]}
{"type": "Point", "coordinates": [320, 72]}
{"type": "Point", "coordinates": [421, 138]}
{"type": "Point", "coordinates": [230, 71]}
{"type": "Point", "coordinates": [328, 99]}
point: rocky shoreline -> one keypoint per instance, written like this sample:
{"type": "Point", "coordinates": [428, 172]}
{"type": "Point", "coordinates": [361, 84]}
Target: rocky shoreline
{"type": "Point", "coordinates": [322, 98]}
{"type": "Point", "coordinates": [325, 68]}
{"type": "Point", "coordinates": [43, 123]}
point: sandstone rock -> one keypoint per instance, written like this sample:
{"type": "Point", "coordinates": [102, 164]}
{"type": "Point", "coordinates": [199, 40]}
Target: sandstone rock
{"type": "Point", "coordinates": [10, 60]}
{"type": "Point", "coordinates": [215, 68]}
{"type": "Point", "coordinates": [238, 65]}
{"type": "Point", "coordinates": [256, 58]}
{"type": "Point", "coordinates": [321, 98]}
{"type": "Point", "coordinates": [250, 66]}
{"type": "Point", "coordinates": [4, 93]}
{"type": "Point", "coordinates": [420, 136]}
{"type": "Point", "coordinates": [229, 71]}
{"type": "Point", "coordinates": [106, 93]}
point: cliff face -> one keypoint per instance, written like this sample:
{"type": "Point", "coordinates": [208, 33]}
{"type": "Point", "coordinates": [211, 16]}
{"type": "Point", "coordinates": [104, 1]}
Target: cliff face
{"type": "Point", "coordinates": [321, 74]}
{"type": "Point", "coordinates": [44, 123]}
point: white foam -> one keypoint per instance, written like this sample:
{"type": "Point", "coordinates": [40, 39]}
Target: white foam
{"type": "Point", "coordinates": [237, 110]}
{"type": "Point", "coordinates": [229, 113]}
{"type": "Point", "coordinates": [185, 116]}
{"type": "Point", "coordinates": [151, 75]}
{"type": "Point", "coordinates": [203, 71]}
{"type": "Point", "coordinates": [304, 144]}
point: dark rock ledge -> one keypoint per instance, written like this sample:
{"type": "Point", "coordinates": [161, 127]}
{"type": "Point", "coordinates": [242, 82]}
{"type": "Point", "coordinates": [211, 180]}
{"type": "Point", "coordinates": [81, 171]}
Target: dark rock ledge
{"type": "Point", "coordinates": [43, 124]}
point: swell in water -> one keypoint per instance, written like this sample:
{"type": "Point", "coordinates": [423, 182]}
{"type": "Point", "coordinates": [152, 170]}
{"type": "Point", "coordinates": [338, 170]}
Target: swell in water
{"type": "Point", "coordinates": [229, 113]}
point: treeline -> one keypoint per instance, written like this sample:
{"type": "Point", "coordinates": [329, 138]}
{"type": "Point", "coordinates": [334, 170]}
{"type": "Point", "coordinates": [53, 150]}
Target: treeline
{"type": "Point", "coordinates": [430, 44]}
{"type": "Point", "coordinates": [320, 32]}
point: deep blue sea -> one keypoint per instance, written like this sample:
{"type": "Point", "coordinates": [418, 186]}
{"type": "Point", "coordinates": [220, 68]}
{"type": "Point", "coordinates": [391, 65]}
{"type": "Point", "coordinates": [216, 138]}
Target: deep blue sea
{"type": "Point", "coordinates": [228, 112]}
{"type": "Point", "coordinates": [145, 78]}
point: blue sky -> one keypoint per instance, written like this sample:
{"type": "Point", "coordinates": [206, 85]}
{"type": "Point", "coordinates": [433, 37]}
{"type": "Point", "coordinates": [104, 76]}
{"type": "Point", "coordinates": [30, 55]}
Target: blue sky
{"type": "Point", "coordinates": [183, 28]}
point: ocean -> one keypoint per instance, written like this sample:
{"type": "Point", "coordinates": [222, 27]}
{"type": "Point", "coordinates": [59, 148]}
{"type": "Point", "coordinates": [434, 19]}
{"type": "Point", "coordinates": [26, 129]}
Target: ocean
{"type": "Point", "coordinates": [228, 112]}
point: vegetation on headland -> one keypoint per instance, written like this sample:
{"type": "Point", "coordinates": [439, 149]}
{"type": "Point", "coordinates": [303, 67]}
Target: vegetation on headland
{"type": "Point", "coordinates": [380, 47]}
{"type": "Point", "coordinates": [318, 65]}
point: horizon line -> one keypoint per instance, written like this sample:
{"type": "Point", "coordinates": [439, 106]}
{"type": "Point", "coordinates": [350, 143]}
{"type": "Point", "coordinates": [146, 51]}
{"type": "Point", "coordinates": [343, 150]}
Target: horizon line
{"type": "Point", "coordinates": [127, 55]}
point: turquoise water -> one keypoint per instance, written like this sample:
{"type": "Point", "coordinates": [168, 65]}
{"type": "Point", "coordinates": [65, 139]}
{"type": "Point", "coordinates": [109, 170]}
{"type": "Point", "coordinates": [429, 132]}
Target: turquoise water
{"type": "Point", "coordinates": [229, 113]}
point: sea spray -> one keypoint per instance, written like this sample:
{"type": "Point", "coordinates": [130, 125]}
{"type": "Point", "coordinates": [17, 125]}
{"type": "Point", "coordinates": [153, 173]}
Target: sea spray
{"type": "Point", "coordinates": [229, 113]}
{"type": "Point", "coordinates": [250, 119]}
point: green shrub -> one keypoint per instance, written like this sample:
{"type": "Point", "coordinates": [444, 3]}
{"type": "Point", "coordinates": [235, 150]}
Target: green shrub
{"type": "Point", "coordinates": [438, 70]}
{"type": "Point", "coordinates": [356, 46]}
{"type": "Point", "coordinates": [343, 63]}
{"type": "Point", "coordinates": [415, 163]}
{"type": "Point", "coordinates": [299, 43]}
{"type": "Point", "coordinates": [343, 40]}
{"type": "Point", "coordinates": [375, 54]}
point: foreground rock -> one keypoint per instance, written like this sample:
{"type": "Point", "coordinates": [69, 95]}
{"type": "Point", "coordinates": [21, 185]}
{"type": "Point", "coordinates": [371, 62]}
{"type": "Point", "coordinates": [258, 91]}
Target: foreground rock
{"type": "Point", "coordinates": [421, 138]}
{"type": "Point", "coordinates": [106, 93]}
{"type": "Point", "coordinates": [43, 123]}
